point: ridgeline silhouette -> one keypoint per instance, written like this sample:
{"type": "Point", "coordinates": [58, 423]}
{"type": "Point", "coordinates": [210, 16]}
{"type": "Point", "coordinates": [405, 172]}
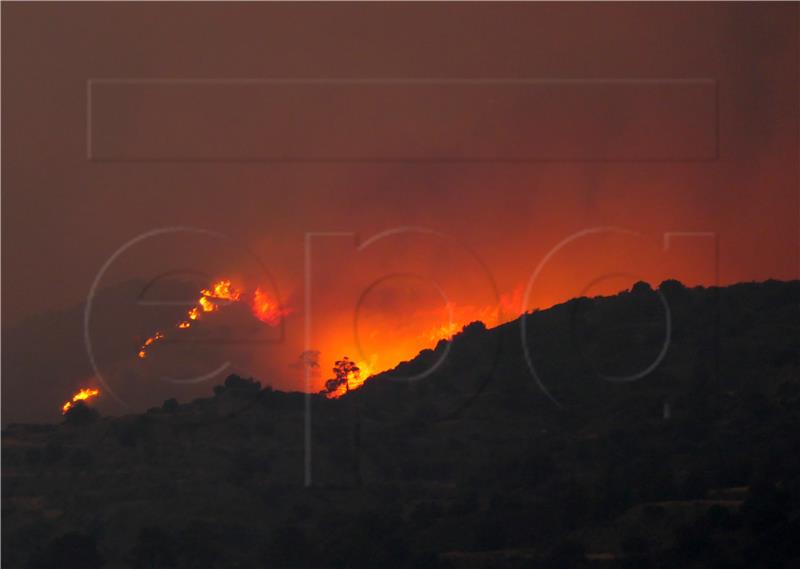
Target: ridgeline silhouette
{"type": "Point", "coordinates": [654, 428]}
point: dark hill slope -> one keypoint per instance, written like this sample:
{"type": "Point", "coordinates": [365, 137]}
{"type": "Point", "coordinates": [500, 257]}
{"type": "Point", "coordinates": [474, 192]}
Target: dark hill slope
{"type": "Point", "coordinates": [477, 463]}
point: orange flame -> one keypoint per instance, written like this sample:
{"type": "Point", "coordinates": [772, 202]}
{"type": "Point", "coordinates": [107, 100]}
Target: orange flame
{"type": "Point", "coordinates": [444, 332]}
{"type": "Point", "coordinates": [222, 290]}
{"type": "Point", "coordinates": [266, 309]}
{"type": "Point", "coordinates": [206, 304]}
{"type": "Point", "coordinates": [222, 293]}
{"type": "Point", "coordinates": [508, 307]}
{"type": "Point", "coordinates": [82, 395]}
{"type": "Point", "coordinates": [149, 342]}
{"type": "Point", "coordinates": [355, 379]}
{"type": "Point", "coordinates": [440, 323]}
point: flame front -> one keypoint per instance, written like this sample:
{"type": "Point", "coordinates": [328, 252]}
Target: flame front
{"type": "Point", "coordinates": [430, 325]}
{"type": "Point", "coordinates": [222, 290]}
{"type": "Point", "coordinates": [82, 395]}
{"type": "Point", "coordinates": [219, 294]}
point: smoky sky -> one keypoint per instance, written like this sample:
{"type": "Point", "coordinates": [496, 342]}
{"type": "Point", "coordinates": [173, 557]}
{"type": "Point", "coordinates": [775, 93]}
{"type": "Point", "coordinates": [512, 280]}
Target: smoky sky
{"type": "Point", "coordinates": [715, 168]}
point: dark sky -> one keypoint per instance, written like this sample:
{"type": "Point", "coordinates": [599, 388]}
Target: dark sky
{"type": "Point", "coordinates": [508, 128]}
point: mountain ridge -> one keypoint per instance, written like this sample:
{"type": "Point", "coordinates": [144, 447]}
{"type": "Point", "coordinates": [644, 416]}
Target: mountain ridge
{"type": "Point", "coordinates": [694, 464]}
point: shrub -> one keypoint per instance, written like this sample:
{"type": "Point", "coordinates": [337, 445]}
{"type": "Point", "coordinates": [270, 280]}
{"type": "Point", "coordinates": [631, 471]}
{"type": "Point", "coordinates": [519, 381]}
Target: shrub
{"type": "Point", "coordinates": [239, 386]}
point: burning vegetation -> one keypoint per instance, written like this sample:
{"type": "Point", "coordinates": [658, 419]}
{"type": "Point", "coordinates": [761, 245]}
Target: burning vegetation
{"type": "Point", "coordinates": [347, 375]}
{"type": "Point", "coordinates": [266, 309]}
{"type": "Point", "coordinates": [82, 395]}
{"type": "Point", "coordinates": [220, 294]}
{"type": "Point", "coordinates": [440, 323]}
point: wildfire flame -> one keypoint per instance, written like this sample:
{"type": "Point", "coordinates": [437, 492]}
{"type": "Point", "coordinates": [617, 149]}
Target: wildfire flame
{"type": "Point", "coordinates": [219, 294]}
{"type": "Point", "coordinates": [266, 309]}
{"type": "Point", "coordinates": [445, 331]}
{"type": "Point", "coordinates": [507, 308]}
{"type": "Point", "coordinates": [149, 342]}
{"type": "Point", "coordinates": [82, 395]}
{"type": "Point", "coordinates": [222, 290]}
{"type": "Point", "coordinates": [356, 379]}
{"type": "Point", "coordinates": [445, 322]}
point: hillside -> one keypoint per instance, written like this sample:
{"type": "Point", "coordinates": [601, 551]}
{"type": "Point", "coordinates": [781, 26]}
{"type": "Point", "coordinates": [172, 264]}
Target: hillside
{"type": "Point", "coordinates": [654, 428]}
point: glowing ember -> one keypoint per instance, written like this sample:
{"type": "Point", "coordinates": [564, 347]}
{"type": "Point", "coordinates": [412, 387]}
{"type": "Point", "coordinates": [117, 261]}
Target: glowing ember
{"type": "Point", "coordinates": [149, 342]}
{"type": "Point", "coordinates": [219, 294]}
{"type": "Point", "coordinates": [82, 395]}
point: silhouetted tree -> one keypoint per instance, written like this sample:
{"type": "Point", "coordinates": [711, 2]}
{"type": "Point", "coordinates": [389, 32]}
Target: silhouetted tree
{"type": "Point", "coordinates": [641, 288]}
{"type": "Point", "coordinates": [342, 370]}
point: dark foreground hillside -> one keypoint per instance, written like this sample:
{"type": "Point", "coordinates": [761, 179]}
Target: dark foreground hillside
{"type": "Point", "coordinates": [650, 429]}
